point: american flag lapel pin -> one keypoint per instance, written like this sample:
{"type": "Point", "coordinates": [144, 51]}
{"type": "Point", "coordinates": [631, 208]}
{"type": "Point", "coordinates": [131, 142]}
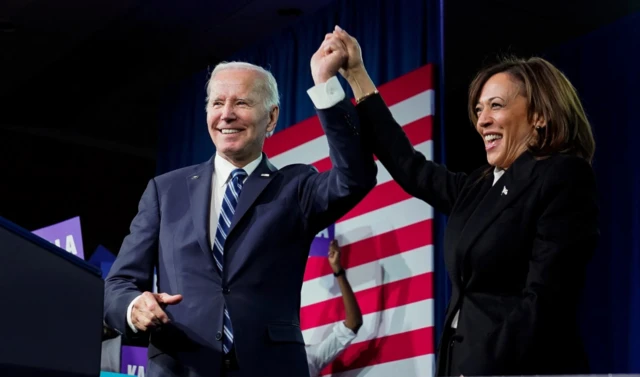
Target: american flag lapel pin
{"type": "Point", "coordinates": [264, 175]}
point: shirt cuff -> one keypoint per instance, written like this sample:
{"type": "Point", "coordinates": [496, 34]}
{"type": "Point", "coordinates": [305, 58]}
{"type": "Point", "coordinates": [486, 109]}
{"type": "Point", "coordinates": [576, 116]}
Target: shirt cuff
{"type": "Point", "coordinates": [343, 333]}
{"type": "Point", "coordinates": [129, 309]}
{"type": "Point", "coordinates": [326, 94]}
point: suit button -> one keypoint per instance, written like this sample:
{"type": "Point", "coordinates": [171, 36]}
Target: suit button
{"type": "Point", "coordinates": [226, 290]}
{"type": "Point", "coordinates": [218, 335]}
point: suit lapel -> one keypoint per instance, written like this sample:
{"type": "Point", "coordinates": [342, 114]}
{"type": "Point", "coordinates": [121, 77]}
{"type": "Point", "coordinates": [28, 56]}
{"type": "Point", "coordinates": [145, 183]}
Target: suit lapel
{"type": "Point", "coordinates": [512, 184]}
{"type": "Point", "coordinates": [457, 223]}
{"type": "Point", "coordinates": [253, 187]}
{"type": "Point", "coordinates": [199, 185]}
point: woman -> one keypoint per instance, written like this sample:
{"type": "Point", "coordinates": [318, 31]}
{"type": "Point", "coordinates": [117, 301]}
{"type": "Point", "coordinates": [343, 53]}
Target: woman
{"type": "Point", "coordinates": [521, 230]}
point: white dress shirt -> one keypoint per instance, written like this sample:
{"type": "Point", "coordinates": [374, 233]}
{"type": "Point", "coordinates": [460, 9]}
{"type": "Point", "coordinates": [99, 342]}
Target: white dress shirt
{"type": "Point", "coordinates": [219, 181]}
{"type": "Point", "coordinates": [322, 354]}
{"type": "Point", "coordinates": [497, 174]}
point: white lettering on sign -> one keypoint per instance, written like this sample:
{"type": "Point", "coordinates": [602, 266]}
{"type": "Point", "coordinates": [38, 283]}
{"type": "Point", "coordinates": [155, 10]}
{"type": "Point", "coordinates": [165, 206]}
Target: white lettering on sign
{"type": "Point", "coordinates": [323, 234]}
{"type": "Point", "coordinates": [70, 245]}
{"type": "Point", "coordinates": [131, 370]}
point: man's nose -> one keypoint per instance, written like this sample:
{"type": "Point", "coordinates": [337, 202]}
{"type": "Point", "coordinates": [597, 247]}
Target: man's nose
{"type": "Point", "coordinates": [228, 112]}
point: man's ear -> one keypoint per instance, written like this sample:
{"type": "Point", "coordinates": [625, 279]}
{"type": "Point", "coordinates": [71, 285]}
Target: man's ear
{"type": "Point", "coordinates": [273, 118]}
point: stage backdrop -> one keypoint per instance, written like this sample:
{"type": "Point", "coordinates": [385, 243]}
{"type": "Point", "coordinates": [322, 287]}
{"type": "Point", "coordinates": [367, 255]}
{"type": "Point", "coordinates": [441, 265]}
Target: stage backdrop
{"type": "Point", "coordinates": [387, 249]}
{"type": "Point", "coordinates": [604, 67]}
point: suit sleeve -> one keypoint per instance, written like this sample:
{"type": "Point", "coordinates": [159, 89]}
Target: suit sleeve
{"type": "Point", "coordinates": [327, 196]}
{"type": "Point", "coordinates": [132, 271]}
{"type": "Point", "coordinates": [418, 176]}
{"type": "Point", "coordinates": [566, 237]}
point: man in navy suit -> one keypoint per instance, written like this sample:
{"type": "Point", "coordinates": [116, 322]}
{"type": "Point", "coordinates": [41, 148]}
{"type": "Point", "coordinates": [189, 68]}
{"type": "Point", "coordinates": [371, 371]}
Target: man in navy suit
{"type": "Point", "coordinates": [230, 237]}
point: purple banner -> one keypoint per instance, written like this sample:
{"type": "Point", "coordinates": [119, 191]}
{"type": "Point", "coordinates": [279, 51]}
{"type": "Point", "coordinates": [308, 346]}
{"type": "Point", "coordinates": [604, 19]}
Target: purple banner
{"type": "Point", "coordinates": [320, 244]}
{"type": "Point", "coordinates": [66, 235]}
{"type": "Point", "coordinates": [133, 360]}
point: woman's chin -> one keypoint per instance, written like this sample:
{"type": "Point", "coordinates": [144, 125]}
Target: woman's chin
{"type": "Point", "coordinates": [493, 158]}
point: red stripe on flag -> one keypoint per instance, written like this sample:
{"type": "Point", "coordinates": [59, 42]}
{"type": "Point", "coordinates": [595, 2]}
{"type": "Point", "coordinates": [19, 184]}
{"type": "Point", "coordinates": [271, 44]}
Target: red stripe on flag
{"type": "Point", "coordinates": [393, 92]}
{"type": "Point", "coordinates": [323, 165]}
{"type": "Point", "coordinates": [374, 248]}
{"type": "Point", "coordinates": [384, 350]}
{"type": "Point", "coordinates": [407, 86]}
{"type": "Point", "coordinates": [417, 132]}
{"type": "Point", "coordinates": [381, 196]}
{"type": "Point", "coordinates": [386, 296]}
{"type": "Point", "coordinates": [293, 136]}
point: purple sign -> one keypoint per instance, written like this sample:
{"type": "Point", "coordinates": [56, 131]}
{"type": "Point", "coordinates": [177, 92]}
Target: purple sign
{"type": "Point", "coordinates": [133, 360]}
{"type": "Point", "coordinates": [320, 244]}
{"type": "Point", "coordinates": [66, 235]}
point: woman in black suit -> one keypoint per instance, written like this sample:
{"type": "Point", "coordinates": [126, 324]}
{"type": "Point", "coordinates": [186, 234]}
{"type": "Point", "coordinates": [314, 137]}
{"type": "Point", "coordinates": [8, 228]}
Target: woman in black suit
{"type": "Point", "coordinates": [521, 229]}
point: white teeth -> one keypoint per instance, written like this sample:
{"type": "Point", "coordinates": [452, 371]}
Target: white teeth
{"type": "Point", "coordinates": [492, 137]}
{"type": "Point", "coordinates": [229, 131]}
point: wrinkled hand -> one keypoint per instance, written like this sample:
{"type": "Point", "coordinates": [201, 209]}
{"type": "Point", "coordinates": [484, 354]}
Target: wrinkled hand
{"type": "Point", "coordinates": [354, 53]}
{"type": "Point", "coordinates": [334, 256]}
{"type": "Point", "coordinates": [326, 62]}
{"type": "Point", "coordinates": [147, 311]}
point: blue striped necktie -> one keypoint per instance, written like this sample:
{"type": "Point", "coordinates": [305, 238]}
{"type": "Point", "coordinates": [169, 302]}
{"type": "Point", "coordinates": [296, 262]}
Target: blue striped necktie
{"type": "Point", "coordinates": [229, 203]}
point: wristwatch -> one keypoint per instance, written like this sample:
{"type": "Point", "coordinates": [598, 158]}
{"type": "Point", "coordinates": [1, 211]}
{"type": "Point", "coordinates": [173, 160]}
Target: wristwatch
{"type": "Point", "coordinates": [341, 272]}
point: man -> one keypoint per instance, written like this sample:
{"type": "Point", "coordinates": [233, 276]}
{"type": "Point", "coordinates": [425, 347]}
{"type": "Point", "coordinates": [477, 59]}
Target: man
{"type": "Point", "coordinates": [322, 354]}
{"type": "Point", "coordinates": [230, 237]}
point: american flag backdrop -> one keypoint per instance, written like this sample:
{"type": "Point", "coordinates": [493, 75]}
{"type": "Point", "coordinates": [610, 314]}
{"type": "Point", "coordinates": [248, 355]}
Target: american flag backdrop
{"type": "Point", "coordinates": [387, 248]}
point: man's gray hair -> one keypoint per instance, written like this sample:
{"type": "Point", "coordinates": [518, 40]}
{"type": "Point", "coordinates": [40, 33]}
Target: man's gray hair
{"type": "Point", "coordinates": [267, 84]}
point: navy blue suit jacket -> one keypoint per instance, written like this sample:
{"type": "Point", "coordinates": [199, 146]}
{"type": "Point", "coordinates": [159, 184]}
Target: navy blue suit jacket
{"type": "Point", "coordinates": [278, 214]}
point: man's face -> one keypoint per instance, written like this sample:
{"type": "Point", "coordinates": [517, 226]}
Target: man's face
{"type": "Point", "coordinates": [236, 116]}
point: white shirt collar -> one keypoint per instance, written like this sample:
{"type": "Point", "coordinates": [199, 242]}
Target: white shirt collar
{"type": "Point", "coordinates": [497, 174]}
{"type": "Point", "coordinates": [223, 168]}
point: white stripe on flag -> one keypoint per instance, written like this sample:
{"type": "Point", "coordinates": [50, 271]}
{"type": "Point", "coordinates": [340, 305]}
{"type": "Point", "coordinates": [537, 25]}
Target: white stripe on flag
{"type": "Point", "coordinates": [382, 220]}
{"type": "Point", "coordinates": [382, 271]}
{"type": "Point", "coordinates": [421, 366]}
{"type": "Point", "coordinates": [414, 316]}
{"type": "Point", "coordinates": [405, 112]}
{"type": "Point", "coordinates": [425, 148]}
{"type": "Point", "coordinates": [413, 108]}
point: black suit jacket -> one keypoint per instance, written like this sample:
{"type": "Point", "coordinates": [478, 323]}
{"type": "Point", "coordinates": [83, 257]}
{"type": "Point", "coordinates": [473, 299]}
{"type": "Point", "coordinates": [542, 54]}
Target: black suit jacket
{"type": "Point", "coordinates": [516, 252]}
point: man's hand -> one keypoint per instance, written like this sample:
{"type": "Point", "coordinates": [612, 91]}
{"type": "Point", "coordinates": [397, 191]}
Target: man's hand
{"type": "Point", "coordinates": [354, 62]}
{"type": "Point", "coordinates": [334, 256]}
{"type": "Point", "coordinates": [326, 62]}
{"type": "Point", "coordinates": [147, 311]}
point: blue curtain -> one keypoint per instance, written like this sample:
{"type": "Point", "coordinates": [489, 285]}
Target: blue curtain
{"type": "Point", "coordinates": [397, 36]}
{"type": "Point", "coordinates": [604, 66]}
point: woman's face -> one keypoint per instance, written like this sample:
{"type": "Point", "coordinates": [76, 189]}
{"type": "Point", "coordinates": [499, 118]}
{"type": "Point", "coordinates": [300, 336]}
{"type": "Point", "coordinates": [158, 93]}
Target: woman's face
{"type": "Point", "coordinates": [503, 120]}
